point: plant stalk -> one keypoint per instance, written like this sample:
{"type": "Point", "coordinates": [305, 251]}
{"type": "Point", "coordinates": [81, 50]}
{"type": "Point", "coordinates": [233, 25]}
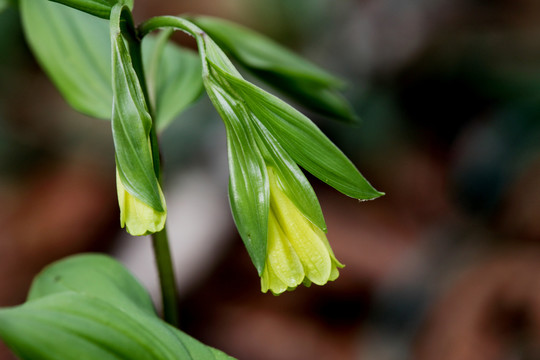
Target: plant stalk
{"type": "Point", "coordinates": [162, 253]}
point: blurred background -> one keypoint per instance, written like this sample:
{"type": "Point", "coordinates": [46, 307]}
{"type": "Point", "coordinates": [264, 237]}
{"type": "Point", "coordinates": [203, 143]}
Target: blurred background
{"type": "Point", "coordinates": [446, 266]}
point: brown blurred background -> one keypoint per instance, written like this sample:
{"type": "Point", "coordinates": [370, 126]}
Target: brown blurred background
{"type": "Point", "coordinates": [446, 266]}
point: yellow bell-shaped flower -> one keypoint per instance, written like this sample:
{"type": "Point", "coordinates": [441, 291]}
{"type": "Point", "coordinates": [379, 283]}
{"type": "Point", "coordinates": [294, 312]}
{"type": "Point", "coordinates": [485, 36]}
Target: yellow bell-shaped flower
{"type": "Point", "coordinates": [297, 250]}
{"type": "Point", "coordinates": [138, 217]}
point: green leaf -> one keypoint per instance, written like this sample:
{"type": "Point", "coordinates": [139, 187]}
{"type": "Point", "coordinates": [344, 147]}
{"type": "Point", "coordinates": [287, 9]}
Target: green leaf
{"type": "Point", "coordinates": [96, 275]}
{"type": "Point", "coordinates": [75, 326]}
{"type": "Point", "coordinates": [249, 192]}
{"type": "Point", "coordinates": [99, 8]}
{"type": "Point", "coordinates": [173, 75]}
{"type": "Point", "coordinates": [90, 307]}
{"type": "Point", "coordinates": [74, 50]}
{"type": "Point", "coordinates": [305, 82]}
{"type": "Point", "coordinates": [131, 124]}
{"type": "Point", "coordinates": [301, 138]}
{"type": "Point", "coordinates": [198, 350]}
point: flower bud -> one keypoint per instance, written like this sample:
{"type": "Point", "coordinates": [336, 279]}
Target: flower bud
{"type": "Point", "coordinates": [138, 217]}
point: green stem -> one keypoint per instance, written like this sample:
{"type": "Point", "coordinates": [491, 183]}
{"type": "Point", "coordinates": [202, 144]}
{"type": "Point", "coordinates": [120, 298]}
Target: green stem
{"type": "Point", "coordinates": [177, 23]}
{"type": "Point", "coordinates": [162, 253]}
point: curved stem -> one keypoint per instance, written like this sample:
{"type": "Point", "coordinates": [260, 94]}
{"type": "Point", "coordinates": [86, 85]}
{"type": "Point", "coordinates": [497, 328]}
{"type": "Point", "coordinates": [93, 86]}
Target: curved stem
{"type": "Point", "coordinates": [177, 23]}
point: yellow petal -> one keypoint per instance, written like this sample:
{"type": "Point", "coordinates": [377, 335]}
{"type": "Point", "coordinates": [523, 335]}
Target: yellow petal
{"type": "Point", "coordinates": [269, 281]}
{"type": "Point", "coordinates": [308, 244]}
{"type": "Point", "coordinates": [282, 258]}
{"type": "Point", "coordinates": [138, 217]}
{"type": "Point", "coordinates": [335, 263]}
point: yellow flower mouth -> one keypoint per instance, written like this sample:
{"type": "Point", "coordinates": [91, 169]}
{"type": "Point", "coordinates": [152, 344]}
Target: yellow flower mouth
{"type": "Point", "coordinates": [138, 217]}
{"type": "Point", "coordinates": [297, 250]}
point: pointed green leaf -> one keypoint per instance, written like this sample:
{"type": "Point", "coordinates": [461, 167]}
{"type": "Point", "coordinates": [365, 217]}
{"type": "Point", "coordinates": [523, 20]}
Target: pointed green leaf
{"type": "Point", "coordinates": [95, 274]}
{"type": "Point", "coordinates": [302, 139]}
{"type": "Point", "coordinates": [248, 185]}
{"type": "Point", "coordinates": [99, 8]}
{"type": "Point", "coordinates": [173, 75]}
{"type": "Point", "coordinates": [305, 82]}
{"type": "Point", "coordinates": [74, 50]}
{"type": "Point", "coordinates": [75, 326]}
{"type": "Point", "coordinates": [131, 124]}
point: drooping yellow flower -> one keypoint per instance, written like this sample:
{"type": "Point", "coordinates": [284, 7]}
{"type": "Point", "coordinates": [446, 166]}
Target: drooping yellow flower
{"type": "Point", "coordinates": [138, 217]}
{"type": "Point", "coordinates": [297, 250]}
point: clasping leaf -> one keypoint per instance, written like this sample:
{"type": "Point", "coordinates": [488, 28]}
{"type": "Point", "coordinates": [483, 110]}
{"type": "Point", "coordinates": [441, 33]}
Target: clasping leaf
{"type": "Point", "coordinates": [132, 127]}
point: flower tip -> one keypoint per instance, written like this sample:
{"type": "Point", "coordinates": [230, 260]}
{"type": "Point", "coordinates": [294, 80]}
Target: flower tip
{"type": "Point", "coordinates": [138, 217]}
{"type": "Point", "coordinates": [298, 251]}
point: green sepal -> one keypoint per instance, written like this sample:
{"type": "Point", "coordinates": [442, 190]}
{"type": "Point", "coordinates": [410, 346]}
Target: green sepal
{"type": "Point", "coordinates": [99, 8]}
{"type": "Point", "coordinates": [74, 50]}
{"type": "Point", "coordinates": [131, 124]}
{"type": "Point", "coordinates": [302, 139]}
{"type": "Point", "coordinates": [90, 315]}
{"type": "Point", "coordinates": [287, 72]}
{"type": "Point", "coordinates": [173, 76]}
